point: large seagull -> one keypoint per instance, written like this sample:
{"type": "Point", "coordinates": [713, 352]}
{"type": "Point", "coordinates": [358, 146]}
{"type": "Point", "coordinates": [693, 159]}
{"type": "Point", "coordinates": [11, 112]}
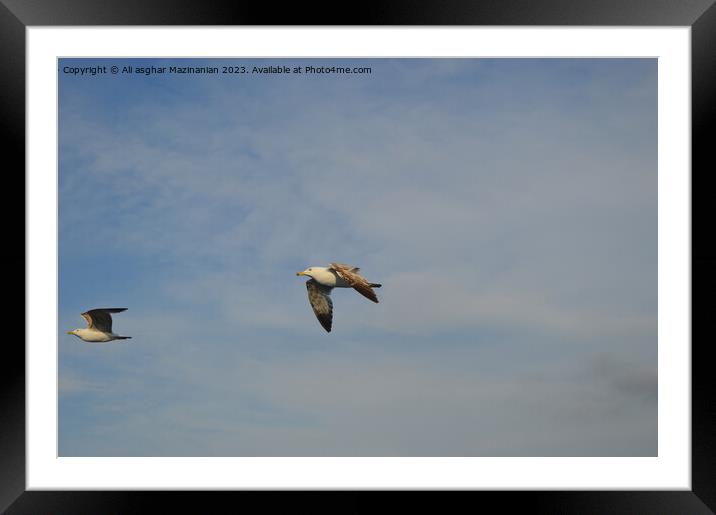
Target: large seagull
{"type": "Point", "coordinates": [99, 326]}
{"type": "Point", "coordinates": [324, 279]}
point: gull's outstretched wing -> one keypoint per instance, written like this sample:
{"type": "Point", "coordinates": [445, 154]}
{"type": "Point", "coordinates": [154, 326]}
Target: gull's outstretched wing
{"type": "Point", "coordinates": [343, 266]}
{"type": "Point", "coordinates": [320, 298]}
{"type": "Point", "coordinates": [87, 317]}
{"type": "Point", "coordinates": [100, 318]}
{"type": "Point", "coordinates": [359, 283]}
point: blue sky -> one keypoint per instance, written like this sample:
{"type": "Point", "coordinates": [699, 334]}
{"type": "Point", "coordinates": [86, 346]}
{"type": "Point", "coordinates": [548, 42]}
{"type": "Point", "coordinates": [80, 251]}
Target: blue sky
{"type": "Point", "coordinates": [508, 207]}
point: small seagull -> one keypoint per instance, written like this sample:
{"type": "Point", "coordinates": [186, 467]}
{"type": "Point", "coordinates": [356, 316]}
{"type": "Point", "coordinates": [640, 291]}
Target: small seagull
{"type": "Point", "coordinates": [99, 326]}
{"type": "Point", "coordinates": [324, 279]}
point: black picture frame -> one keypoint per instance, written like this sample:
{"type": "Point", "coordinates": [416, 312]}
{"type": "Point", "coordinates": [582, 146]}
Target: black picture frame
{"type": "Point", "coordinates": [700, 15]}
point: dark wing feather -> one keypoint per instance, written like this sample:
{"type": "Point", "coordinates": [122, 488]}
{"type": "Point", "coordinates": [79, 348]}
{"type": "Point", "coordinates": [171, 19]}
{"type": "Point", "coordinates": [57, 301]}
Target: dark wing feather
{"type": "Point", "coordinates": [320, 298]}
{"type": "Point", "coordinates": [100, 318]}
{"type": "Point", "coordinates": [343, 266]}
{"type": "Point", "coordinates": [358, 282]}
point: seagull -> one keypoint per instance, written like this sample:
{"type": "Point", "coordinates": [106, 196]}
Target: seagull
{"type": "Point", "coordinates": [99, 326]}
{"type": "Point", "coordinates": [324, 279]}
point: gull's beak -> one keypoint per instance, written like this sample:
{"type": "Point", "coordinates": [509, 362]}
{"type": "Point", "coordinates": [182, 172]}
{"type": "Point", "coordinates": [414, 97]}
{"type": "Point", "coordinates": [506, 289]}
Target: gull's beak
{"type": "Point", "coordinates": [300, 273]}
{"type": "Point", "coordinates": [70, 332]}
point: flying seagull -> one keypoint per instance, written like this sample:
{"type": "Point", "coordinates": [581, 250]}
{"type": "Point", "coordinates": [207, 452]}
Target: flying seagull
{"type": "Point", "coordinates": [99, 326]}
{"type": "Point", "coordinates": [324, 279]}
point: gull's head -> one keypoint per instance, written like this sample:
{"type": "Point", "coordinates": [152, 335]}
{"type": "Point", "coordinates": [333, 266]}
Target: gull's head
{"type": "Point", "coordinates": [308, 272]}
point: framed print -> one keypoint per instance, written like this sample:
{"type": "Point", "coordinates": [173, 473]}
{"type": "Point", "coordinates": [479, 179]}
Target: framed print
{"type": "Point", "coordinates": [385, 256]}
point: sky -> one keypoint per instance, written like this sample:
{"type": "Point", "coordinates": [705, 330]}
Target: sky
{"type": "Point", "coordinates": [507, 206]}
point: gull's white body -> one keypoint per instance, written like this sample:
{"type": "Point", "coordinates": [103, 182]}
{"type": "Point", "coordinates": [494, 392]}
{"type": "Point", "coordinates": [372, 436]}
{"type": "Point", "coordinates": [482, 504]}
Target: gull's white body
{"type": "Point", "coordinates": [325, 276]}
{"type": "Point", "coordinates": [94, 336]}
